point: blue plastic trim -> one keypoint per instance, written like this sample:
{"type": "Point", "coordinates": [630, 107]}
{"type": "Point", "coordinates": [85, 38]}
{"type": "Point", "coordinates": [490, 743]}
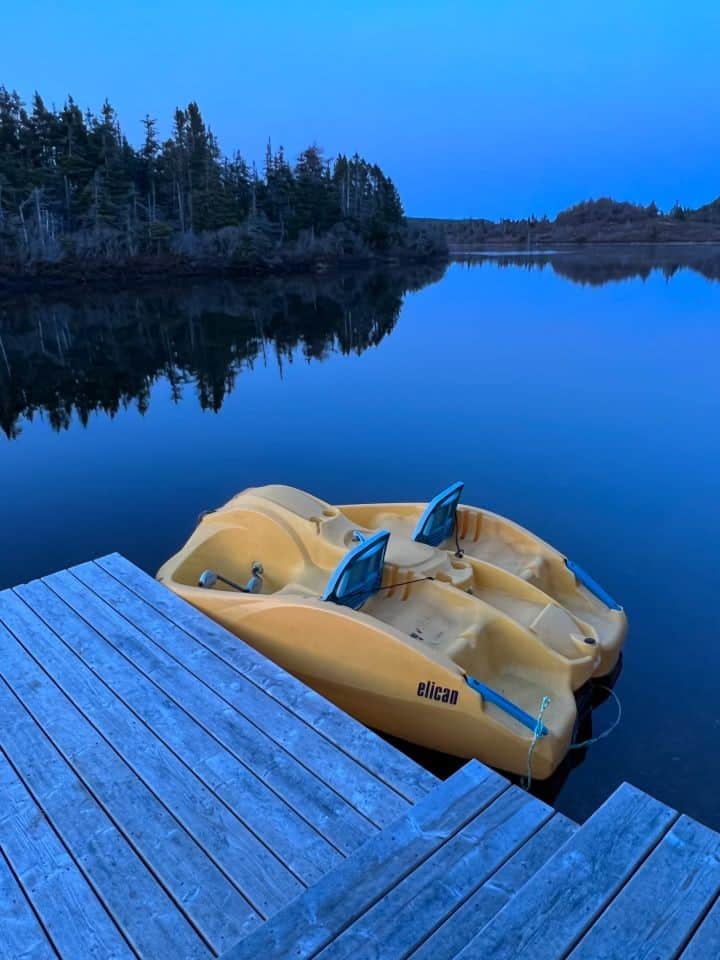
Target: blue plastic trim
{"type": "Point", "coordinates": [442, 509]}
{"type": "Point", "coordinates": [371, 549]}
{"type": "Point", "coordinates": [487, 693]}
{"type": "Point", "coordinates": [593, 586]}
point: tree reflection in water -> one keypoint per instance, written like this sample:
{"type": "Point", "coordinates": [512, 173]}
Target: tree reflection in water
{"type": "Point", "coordinates": [597, 265]}
{"type": "Point", "coordinates": [105, 351]}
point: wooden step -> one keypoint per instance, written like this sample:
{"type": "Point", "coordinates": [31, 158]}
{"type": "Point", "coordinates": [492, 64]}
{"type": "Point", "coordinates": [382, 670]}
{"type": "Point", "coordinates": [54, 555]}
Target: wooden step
{"type": "Point", "coordinates": [656, 912]}
{"type": "Point", "coordinates": [481, 906]}
{"type": "Point", "coordinates": [472, 832]}
{"type": "Point", "coordinates": [480, 869]}
{"type": "Point", "coordinates": [320, 915]}
{"type": "Point", "coordinates": [634, 881]}
{"type": "Point", "coordinates": [706, 940]}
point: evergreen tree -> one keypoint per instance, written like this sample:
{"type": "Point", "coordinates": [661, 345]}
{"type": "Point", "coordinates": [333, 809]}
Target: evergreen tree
{"type": "Point", "coordinates": [71, 184]}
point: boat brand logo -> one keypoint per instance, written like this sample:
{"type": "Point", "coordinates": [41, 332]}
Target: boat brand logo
{"type": "Point", "coordinates": [431, 691]}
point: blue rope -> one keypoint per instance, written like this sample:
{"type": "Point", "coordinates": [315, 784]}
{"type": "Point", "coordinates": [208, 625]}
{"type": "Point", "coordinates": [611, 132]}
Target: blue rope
{"type": "Point", "coordinates": [526, 782]}
{"type": "Point", "coordinates": [539, 731]}
{"type": "Point", "coordinates": [605, 733]}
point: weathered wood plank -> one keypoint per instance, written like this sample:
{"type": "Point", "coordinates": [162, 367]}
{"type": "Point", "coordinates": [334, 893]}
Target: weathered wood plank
{"type": "Point", "coordinates": [386, 763]}
{"type": "Point", "coordinates": [169, 842]}
{"type": "Point", "coordinates": [309, 796]}
{"type": "Point", "coordinates": [74, 918]}
{"type": "Point", "coordinates": [312, 921]}
{"type": "Point", "coordinates": [416, 906]}
{"type": "Point", "coordinates": [460, 928]}
{"type": "Point", "coordinates": [564, 898]}
{"type": "Point", "coordinates": [21, 935]}
{"type": "Point", "coordinates": [373, 798]}
{"type": "Point", "coordinates": [150, 920]}
{"type": "Point", "coordinates": [298, 844]}
{"type": "Point", "coordinates": [705, 942]}
{"type": "Point", "coordinates": [656, 912]}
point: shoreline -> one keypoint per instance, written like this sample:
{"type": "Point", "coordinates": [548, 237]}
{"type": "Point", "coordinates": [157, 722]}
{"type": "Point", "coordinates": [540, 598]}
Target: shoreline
{"type": "Point", "coordinates": [141, 271]}
{"type": "Point", "coordinates": [485, 249]}
{"type": "Point", "coordinates": [61, 276]}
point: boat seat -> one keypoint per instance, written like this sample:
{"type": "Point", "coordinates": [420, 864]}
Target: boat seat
{"type": "Point", "coordinates": [355, 579]}
{"type": "Point", "coordinates": [437, 521]}
{"type": "Point", "coordinates": [359, 574]}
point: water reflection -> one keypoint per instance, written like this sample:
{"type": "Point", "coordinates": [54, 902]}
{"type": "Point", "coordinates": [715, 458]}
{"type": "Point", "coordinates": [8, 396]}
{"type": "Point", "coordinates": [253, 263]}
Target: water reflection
{"type": "Point", "coordinates": [101, 352]}
{"type": "Point", "coordinates": [595, 266]}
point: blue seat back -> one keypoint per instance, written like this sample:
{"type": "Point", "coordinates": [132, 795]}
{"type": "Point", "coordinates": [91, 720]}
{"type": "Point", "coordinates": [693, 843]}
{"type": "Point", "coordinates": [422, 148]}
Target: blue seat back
{"type": "Point", "coordinates": [438, 519]}
{"type": "Point", "coordinates": [359, 574]}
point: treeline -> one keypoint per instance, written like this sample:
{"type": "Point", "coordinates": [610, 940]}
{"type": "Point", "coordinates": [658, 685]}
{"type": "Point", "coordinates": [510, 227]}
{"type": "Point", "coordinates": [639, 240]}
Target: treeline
{"type": "Point", "coordinates": [73, 188]}
{"type": "Point", "coordinates": [593, 221]}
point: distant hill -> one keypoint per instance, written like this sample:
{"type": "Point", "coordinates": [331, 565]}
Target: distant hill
{"type": "Point", "coordinates": [593, 221]}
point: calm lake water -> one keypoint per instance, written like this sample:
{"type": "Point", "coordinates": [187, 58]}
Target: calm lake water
{"type": "Point", "coordinates": [579, 395]}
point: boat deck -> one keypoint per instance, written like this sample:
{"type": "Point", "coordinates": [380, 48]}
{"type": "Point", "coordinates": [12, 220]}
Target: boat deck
{"type": "Point", "coordinates": [166, 791]}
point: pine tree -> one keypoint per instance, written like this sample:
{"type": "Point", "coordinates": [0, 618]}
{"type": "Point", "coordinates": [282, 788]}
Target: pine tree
{"type": "Point", "coordinates": [71, 182]}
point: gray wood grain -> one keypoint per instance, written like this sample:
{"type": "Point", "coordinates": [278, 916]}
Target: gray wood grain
{"type": "Point", "coordinates": [386, 763]}
{"type": "Point", "coordinates": [321, 914]}
{"type": "Point", "coordinates": [558, 905]}
{"type": "Point", "coordinates": [310, 796]}
{"type": "Point", "coordinates": [373, 798]}
{"type": "Point", "coordinates": [21, 936]}
{"type": "Point", "coordinates": [150, 920]}
{"type": "Point", "coordinates": [416, 906]}
{"type": "Point", "coordinates": [656, 912]}
{"type": "Point", "coordinates": [705, 942]}
{"type": "Point", "coordinates": [175, 843]}
{"type": "Point", "coordinates": [75, 919]}
{"type": "Point", "coordinates": [298, 844]}
{"type": "Point", "coordinates": [462, 925]}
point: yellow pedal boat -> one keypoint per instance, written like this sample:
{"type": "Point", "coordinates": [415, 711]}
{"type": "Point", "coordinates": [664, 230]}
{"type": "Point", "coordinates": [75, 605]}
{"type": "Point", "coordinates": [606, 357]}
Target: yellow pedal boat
{"type": "Point", "coordinates": [439, 623]}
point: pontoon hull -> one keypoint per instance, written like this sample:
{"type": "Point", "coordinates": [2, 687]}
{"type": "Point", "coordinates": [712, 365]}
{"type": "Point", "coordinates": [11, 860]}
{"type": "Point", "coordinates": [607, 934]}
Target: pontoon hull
{"type": "Point", "coordinates": [400, 664]}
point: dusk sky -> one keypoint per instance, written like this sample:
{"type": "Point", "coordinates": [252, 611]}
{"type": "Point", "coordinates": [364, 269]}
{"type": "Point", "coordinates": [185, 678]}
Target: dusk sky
{"type": "Point", "coordinates": [474, 108]}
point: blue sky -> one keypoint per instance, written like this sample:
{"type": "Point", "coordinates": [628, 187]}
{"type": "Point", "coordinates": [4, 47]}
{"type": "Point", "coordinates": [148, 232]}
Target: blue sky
{"type": "Point", "coordinates": [474, 108]}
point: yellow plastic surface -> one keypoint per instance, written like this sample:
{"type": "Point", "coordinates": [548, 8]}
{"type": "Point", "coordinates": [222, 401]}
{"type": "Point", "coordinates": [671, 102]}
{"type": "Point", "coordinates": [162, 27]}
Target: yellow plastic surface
{"type": "Point", "coordinates": [507, 612]}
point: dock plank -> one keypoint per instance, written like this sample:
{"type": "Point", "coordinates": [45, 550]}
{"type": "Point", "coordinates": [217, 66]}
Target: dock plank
{"type": "Point", "coordinates": [164, 788]}
{"type": "Point", "coordinates": [150, 920]}
{"type": "Point", "coordinates": [705, 941]}
{"type": "Point", "coordinates": [300, 846]}
{"type": "Point", "coordinates": [557, 906]}
{"type": "Point", "coordinates": [321, 914]}
{"type": "Point", "coordinates": [386, 763]}
{"type": "Point", "coordinates": [477, 911]}
{"type": "Point", "coordinates": [74, 918]}
{"type": "Point", "coordinates": [328, 811]}
{"type": "Point", "coordinates": [21, 935]}
{"type": "Point", "coordinates": [177, 845]}
{"type": "Point", "coordinates": [373, 798]}
{"type": "Point", "coordinates": [655, 914]}
{"type": "Point", "coordinates": [418, 905]}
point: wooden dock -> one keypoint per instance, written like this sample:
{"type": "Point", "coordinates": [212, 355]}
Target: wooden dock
{"type": "Point", "coordinates": [166, 791]}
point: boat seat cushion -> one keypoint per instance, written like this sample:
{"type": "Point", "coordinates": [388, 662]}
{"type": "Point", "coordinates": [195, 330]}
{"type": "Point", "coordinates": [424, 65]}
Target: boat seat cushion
{"type": "Point", "coordinates": [437, 522]}
{"type": "Point", "coordinates": [359, 574]}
